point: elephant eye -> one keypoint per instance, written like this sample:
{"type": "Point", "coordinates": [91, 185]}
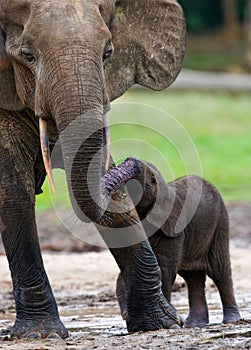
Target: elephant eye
{"type": "Point", "coordinates": [27, 54]}
{"type": "Point", "coordinates": [153, 180]}
{"type": "Point", "coordinates": [108, 51]}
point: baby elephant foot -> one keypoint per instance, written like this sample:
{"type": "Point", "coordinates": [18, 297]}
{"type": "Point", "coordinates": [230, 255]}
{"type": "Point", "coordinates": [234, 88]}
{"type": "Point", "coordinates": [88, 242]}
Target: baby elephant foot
{"type": "Point", "coordinates": [197, 320]}
{"type": "Point", "coordinates": [39, 328]}
{"type": "Point", "coordinates": [231, 314]}
{"type": "Point", "coordinates": [200, 323]}
{"type": "Point", "coordinates": [152, 315]}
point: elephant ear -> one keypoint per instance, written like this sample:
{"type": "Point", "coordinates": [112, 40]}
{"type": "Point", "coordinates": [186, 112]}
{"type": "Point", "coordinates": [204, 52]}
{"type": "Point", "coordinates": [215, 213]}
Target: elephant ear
{"type": "Point", "coordinates": [8, 95]}
{"type": "Point", "coordinates": [149, 45]}
{"type": "Point", "coordinates": [166, 210]}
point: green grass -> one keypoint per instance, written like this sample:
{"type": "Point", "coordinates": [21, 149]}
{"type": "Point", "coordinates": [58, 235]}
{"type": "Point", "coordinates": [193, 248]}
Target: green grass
{"type": "Point", "coordinates": [214, 61]}
{"type": "Point", "coordinates": [219, 126]}
{"type": "Point", "coordinates": [59, 200]}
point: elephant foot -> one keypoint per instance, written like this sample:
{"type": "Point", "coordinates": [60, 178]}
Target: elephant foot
{"type": "Point", "coordinates": [231, 314]}
{"type": "Point", "coordinates": [152, 315]}
{"type": "Point", "coordinates": [39, 328]}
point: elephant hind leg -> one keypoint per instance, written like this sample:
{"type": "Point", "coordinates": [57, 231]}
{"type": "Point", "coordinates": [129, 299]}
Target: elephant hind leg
{"type": "Point", "coordinates": [219, 270]}
{"type": "Point", "coordinates": [198, 311]}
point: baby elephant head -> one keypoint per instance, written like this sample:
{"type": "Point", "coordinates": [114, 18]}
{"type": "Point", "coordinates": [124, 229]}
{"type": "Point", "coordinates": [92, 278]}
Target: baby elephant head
{"type": "Point", "coordinates": [146, 186]}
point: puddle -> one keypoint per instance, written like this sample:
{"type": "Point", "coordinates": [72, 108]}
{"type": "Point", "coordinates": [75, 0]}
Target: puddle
{"type": "Point", "coordinates": [98, 313]}
{"type": "Point", "coordinates": [106, 321]}
{"type": "Point", "coordinates": [93, 319]}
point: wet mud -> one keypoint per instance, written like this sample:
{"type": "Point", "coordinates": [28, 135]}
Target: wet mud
{"type": "Point", "coordinates": [94, 322]}
{"type": "Point", "coordinates": [84, 286]}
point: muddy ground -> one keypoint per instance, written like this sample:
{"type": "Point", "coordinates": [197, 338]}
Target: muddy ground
{"type": "Point", "coordinates": [83, 279]}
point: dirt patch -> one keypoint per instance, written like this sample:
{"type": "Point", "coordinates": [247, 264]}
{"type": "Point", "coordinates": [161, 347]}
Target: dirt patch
{"type": "Point", "coordinates": [84, 286]}
{"type": "Point", "coordinates": [240, 224]}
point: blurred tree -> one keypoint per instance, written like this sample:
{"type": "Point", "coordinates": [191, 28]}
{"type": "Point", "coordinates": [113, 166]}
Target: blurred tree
{"type": "Point", "coordinates": [211, 14]}
{"type": "Point", "coordinates": [241, 4]}
{"type": "Point", "coordinates": [231, 24]}
{"type": "Point", "coordinates": [229, 10]}
{"type": "Point", "coordinates": [247, 34]}
{"type": "Point", "coordinates": [223, 32]}
{"type": "Point", "coordinates": [202, 15]}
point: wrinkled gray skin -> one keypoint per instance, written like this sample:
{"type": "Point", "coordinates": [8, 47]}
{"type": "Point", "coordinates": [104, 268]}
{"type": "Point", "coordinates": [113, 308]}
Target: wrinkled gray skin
{"type": "Point", "coordinates": [56, 66]}
{"type": "Point", "coordinates": [199, 249]}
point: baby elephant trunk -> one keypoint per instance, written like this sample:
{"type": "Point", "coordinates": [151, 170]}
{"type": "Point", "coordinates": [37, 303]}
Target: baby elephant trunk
{"type": "Point", "coordinates": [114, 178]}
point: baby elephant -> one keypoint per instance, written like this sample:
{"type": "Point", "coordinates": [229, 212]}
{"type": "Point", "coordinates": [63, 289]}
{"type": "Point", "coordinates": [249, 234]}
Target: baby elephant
{"type": "Point", "coordinates": [187, 225]}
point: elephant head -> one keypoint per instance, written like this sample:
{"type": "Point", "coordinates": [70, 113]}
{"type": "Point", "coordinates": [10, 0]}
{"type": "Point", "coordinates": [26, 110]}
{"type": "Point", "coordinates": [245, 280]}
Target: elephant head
{"type": "Point", "coordinates": [67, 59]}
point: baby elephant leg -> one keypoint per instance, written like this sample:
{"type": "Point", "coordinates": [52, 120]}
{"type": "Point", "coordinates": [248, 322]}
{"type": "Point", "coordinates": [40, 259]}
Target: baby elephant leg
{"type": "Point", "coordinates": [168, 253]}
{"type": "Point", "coordinates": [230, 308]}
{"type": "Point", "coordinates": [220, 272]}
{"type": "Point", "coordinates": [121, 296]}
{"type": "Point", "coordinates": [198, 311]}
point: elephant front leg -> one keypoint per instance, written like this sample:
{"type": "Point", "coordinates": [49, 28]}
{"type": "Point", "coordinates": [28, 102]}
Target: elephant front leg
{"type": "Point", "coordinates": [36, 309]}
{"type": "Point", "coordinates": [147, 308]}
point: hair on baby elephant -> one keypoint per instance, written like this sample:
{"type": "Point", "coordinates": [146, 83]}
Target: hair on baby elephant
{"type": "Point", "coordinates": [187, 225]}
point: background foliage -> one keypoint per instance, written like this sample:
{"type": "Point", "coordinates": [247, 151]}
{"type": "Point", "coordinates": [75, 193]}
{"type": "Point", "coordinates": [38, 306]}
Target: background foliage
{"type": "Point", "coordinates": [208, 14]}
{"type": "Point", "coordinates": [219, 35]}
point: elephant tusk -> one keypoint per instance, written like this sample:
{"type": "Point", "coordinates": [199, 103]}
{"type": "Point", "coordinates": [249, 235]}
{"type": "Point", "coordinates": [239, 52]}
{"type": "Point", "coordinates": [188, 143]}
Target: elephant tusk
{"type": "Point", "coordinates": [107, 142]}
{"type": "Point", "coordinates": [44, 140]}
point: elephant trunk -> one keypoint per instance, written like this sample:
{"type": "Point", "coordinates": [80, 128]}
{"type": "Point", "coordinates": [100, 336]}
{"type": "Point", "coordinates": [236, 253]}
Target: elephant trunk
{"type": "Point", "coordinates": [77, 104]}
{"type": "Point", "coordinates": [82, 147]}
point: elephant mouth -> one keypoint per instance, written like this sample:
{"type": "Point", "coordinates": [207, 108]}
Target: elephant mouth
{"type": "Point", "coordinates": [44, 142]}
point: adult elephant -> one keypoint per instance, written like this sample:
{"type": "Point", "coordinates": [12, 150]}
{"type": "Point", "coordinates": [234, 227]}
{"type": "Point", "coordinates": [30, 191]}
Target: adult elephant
{"type": "Point", "coordinates": [57, 79]}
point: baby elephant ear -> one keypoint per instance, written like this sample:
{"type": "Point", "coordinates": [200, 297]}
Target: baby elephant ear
{"type": "Point", "coordinates": [8, 95]}
{"type": "Point", "coordinates": [149, 45]}
{"type": "Point", "coordinates": [165, 213]}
